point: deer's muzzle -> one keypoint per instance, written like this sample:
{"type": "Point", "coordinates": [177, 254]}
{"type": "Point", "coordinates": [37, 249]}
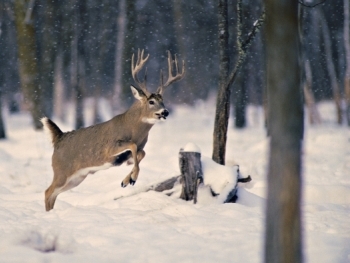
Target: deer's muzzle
{"type": "Point", "coordinates": [165, 113]}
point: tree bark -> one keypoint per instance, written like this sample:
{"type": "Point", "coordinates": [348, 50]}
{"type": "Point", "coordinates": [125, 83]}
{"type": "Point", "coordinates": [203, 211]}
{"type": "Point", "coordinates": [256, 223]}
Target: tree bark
{"type": "Point", "coordinates": [27, 59]}
{"type": "Point", "coordinates": [330, 64]}
{"type": "Point", "coordinates": [47, 51]}
{"type": "Point", "coordinates": [314, 116]}
{"type": "Point", "coordinates": [59, 91]}
{"type": "Point", "coordinates": [283, 237]}
{"type": "Point", "coordinates": [129, 48]}
{"type": "Point", "coordinates": [240, 101]}
{"type": "Point", "coordinates": [226, 79]}
{"type": "Point", "coordinates": [119, 57]}
{"type": "Point", "coordinates": [191, 174]}
{"type": "Point", "coordinates": [2, 124]}
{"type": "Point", "coordinates": [223, 98]}
{"type": "Point", "coordinates": [79, 65]}
{"type": "Point", "coordinates": [347, 53]}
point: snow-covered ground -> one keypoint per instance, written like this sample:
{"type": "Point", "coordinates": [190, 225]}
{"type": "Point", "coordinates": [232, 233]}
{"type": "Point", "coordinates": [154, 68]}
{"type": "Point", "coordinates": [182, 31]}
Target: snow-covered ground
{"type": "Point", "coordinates": [99, 221]}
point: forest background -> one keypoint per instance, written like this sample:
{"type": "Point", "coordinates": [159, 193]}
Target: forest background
{"type": "Point", "coordinates": [54, 52]}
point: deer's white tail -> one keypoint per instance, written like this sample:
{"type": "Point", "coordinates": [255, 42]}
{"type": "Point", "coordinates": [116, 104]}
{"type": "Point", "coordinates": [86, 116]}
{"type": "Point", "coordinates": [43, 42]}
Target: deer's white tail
{"type": "Point", "coordinates": [51, 128]}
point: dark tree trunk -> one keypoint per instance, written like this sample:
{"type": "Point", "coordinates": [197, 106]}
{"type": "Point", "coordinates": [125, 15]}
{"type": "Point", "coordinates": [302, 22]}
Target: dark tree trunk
{"type": "Point", "coordinates": [283, 238]}
{"type": "Point", "coordinates": [129, 49]}
{"type": "Point", "coordinates": [226, 79]}
{"type": "Point", "coordinates": [27, 59]}
{"type": "Point", "coordinates": [2, 77]}
{"type": "Point", "coordinates": [240, 101]}
{"type": "Point", "coordinates": [347, 53]}
{"type": "Point", "coordinates": [79, 99]}
{"type": "Point", "coordinates": [47, 50]}
{"type": "Point", "coordinates": [78, 60]}
{"type": "Point", "coordinates": [223, 98]}
{"type": "Point", "coordinates": [314, 116]}
{"type": "Point", "coordinates": [330, 64]}
{"type": "Point", "coordinates": [2, 124]}
{"type": "Point", "coordinates": [116, 99]}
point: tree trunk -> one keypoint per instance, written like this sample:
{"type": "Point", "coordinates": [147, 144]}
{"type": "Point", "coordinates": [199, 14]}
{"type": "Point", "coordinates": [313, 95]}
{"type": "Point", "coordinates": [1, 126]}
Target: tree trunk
{"type": "Point", "coordinates": [129, 49]}
{"type": "Point", "coordinates": [347, 53]}
{"type": "Point", "coordinates": [330, 64]}
{"type": "Point", "coordinates": [240, 101]}
{"type": "Point", "coordinates": [79, 99]}
{"type": "Point", "coordinates": [27, 59]}
{"type": "Point", "coordinates": [47, 55]}
{"type": "Point", "coordinates": [223, 98]}
{"type": "Point", "coordinates": [59, 92]}
{"type": "Point", "coordinates": [2, 124]}
{"type": "Point", "coordinates": [314, 116]}
{"type": "Point", "coordinates": [116, 99]}
{"type": "Point", "coordinates": [283, 239]}
{"type": "Point", "coordinates": [79, 65]}
{"type": "Point", "coordinates": [226, 79]}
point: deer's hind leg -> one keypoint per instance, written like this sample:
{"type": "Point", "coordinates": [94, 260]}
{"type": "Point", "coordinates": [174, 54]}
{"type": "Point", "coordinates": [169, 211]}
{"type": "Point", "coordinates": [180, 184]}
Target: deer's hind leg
{"type": "Point", "coordinates": [61, 184]}
{"type": "Point", "coordinates": [53, 191]}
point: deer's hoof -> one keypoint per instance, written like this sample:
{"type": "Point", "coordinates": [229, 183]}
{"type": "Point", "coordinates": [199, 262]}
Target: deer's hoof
{"type": "Point", "coordinates": [132, 182]}
{"type": "Point", "coordinates": [123, 185]}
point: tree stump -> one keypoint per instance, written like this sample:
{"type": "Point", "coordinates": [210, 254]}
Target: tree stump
{"type": "Point", "coordinates": [191, 174]}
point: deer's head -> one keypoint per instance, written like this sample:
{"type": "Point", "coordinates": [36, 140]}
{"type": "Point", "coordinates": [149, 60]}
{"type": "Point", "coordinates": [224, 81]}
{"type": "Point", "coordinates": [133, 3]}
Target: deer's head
{"type": "Point", "coordinates": [152, 105]}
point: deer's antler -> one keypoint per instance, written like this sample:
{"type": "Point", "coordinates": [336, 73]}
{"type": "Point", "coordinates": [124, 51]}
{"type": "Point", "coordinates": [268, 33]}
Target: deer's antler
{"type": "Point", "coordinates": [136, 68]}
{"type": "Point", "coordinates": [171, 78]}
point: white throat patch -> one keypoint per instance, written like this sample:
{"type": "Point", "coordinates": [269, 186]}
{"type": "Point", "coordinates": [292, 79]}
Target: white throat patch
{"type": "Point", "coordinates": [149, 120]}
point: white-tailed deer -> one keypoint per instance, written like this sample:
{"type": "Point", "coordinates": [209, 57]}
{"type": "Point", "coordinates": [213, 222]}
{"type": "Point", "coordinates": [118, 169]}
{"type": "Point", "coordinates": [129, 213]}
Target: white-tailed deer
{"type": "Point", "coordinates": [111, 143]}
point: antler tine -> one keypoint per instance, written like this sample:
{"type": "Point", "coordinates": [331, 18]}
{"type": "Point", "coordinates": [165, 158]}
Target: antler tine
{"type": "Point", "coordinates": [171, 78]}
{"type": "Point", "coordinates": [170, 65]}
{"type": "Point", "coordinates": [135, 69]}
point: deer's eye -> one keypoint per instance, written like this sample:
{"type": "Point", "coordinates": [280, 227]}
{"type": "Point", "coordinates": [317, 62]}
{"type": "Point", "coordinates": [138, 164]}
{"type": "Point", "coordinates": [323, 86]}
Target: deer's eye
{"type": "Point", "coordinates": [151, 102]}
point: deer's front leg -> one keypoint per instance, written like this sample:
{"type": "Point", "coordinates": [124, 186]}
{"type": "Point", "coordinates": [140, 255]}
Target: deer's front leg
{"type": "Point", "coordinates": [132, 176]}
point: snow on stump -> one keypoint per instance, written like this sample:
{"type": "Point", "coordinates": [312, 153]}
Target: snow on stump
{"type": "Point", "coordinates": [210, 181]}
{"type": "Point", "coordinates": [191, 171]}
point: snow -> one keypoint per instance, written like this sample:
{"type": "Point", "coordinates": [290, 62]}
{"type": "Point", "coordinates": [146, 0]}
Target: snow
{"type": "Point", "coordinates": [191, 147]}
{"type": "Point", "coordinates": [99, 221]}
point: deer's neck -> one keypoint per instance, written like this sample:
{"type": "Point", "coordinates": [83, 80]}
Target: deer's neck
{"type": "Point", "coordinates": [137, 115]}
{"type": "Point", "coordinates": [130, 124]}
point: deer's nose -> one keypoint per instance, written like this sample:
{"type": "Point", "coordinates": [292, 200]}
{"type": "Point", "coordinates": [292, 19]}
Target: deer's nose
{"type": "Point", "coordinates": [165, 113]}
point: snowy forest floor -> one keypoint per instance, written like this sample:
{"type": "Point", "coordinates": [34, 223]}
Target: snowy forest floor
{"type": "Point", "coordinates": [99, 221]}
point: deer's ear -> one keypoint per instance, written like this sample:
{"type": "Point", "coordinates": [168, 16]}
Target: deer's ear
{"type": "Point", "coordinates": [138, 94]}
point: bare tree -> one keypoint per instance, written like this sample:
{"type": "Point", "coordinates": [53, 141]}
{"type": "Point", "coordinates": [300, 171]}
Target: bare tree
{"type": "Point", "coordinates": [283, 238]}
{"type": "Point", "coordinates": [128, 49]}
{"type": "Point", "coordinates": [2, 124]}
{"type": "Point", "coordinates": [224, 92]}
{"type": "Point", "coordinates": [314, 115]}
{"type": "Point", "coordinates": [78, 60]}
{"type": "Point", "coordinates": [347, 52]}
{"type": "Point", "coordinates": [28, 64]}
{"type": "Point", "coordinates": [225, 78]}
{"type": "Point", "coordinates": [326, 36]}
{"type": "Point", "coordinates": [46, 52]}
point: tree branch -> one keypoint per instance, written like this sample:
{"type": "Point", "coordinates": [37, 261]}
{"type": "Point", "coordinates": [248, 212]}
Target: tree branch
{"type": "Point", "coordinates": [239, 26]}
{"type": "Point", "coordinates": [28, 16]}
{"type": "Point", "coordinates": [243, 47]}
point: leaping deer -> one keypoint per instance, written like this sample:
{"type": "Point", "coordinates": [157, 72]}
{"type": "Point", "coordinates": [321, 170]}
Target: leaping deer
{"type": "Point", "coordinates": [122, 139]}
